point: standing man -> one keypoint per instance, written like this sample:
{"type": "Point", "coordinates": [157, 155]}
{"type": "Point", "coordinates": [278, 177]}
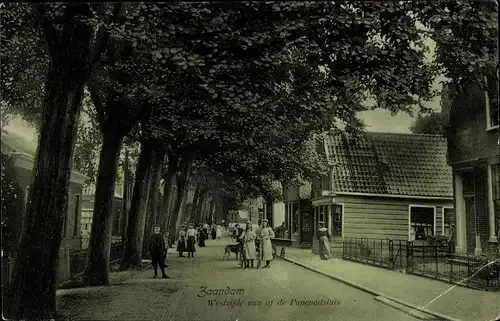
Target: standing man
{"type": "Point", "coordinates": [158, 252]}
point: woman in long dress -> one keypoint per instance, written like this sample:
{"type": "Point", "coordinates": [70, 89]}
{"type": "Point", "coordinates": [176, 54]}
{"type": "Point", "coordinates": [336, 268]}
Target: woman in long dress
{"type": "Point", "coordinates": [324, 241]}
{"type": "Point", "coordinates": [249, 237]}
{"type": "Point", "coordinates": [191, 240]}
{"type": "Point", "coordinates": [214, 231]}
{"type": "Point", "coordinates": [181, 241]}
{"type": "Point", "coordinates": [201, 236]}
{"type": "Point", "coordinates": [219, 231]}
{"type": "Point", "coordinates": [266, 234]}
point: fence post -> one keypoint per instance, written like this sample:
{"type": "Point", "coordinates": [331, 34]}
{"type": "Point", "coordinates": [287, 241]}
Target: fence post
{"type": "Point", "coordinates": [423, 255]}
{"type": "Point", "coordinates": [391, 254]}
{"type": "Point", "coordinates": [409, 256]}
{"type": "Point", "coordinates": [367, 247]}
{"type": "Point", "coordinates": [400, 255]}
{"type": "Point", "coordinates": [451, 270]}
{"type": "Point", "coordinates": [374, 255]}
{"type": "Point", "coordinates": [436, 259]}
{"type": "Point", "coordinates": [343, 250]}
{"type": "Point", "coordinates": [381, 253]}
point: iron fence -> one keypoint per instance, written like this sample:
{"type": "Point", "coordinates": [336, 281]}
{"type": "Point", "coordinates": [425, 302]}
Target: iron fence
{"type": "Point", "coordinates": [434, 261]}
{"type": "Point", "coordinates": [77, 261]}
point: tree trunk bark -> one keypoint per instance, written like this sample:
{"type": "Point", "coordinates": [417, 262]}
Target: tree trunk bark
{"type": "Point", "coordinates": [180, 197]}
{"type": "Point", "coordinates": [154, 194]}
{"type": "Point", "coordinates": [168, 191]}
{"type": "Point", "coordinates": [269, 211]}
{"type": "Point", "coordinates": [132, 254]}
{"type": "Point", "coordinates": [126, 196]}
{"type": "Point", "coordinates": [199, 206]}
{"type": "Point", "coordinates": [97, 268]}
{"type": "Point", "coordinates": [192, 214]}
{"type": "Point", "coordinates": [48, 202]}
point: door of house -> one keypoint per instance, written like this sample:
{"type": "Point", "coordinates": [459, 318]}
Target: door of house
{"type": "Point", "coordinates": [305, 222]}
{"type": "Point", "coordinates": [470, 223]}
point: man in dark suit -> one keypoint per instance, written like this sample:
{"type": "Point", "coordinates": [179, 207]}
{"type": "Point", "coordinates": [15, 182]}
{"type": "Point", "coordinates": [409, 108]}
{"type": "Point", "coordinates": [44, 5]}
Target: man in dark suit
{"type": "Point", "coordinates": [158, 252]}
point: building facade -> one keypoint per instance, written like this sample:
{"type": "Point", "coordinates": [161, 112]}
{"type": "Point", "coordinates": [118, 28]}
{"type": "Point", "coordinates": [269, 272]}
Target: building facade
{"type": "Point", "coordinates": [23, 154]}
{"type": "Point", "coordinates": [380, 186]}
{"type": "Point", "coordinates": [474, 154]}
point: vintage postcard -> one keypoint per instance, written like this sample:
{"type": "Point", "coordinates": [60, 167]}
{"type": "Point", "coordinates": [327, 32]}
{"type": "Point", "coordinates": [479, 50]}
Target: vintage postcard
{"type": "Point", "coordinates": [244, 161]}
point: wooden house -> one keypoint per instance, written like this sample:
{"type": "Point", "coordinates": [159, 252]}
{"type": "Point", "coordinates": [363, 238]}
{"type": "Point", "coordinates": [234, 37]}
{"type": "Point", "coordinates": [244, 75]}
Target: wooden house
{"type": "Point", "coordinates": [380, 186]}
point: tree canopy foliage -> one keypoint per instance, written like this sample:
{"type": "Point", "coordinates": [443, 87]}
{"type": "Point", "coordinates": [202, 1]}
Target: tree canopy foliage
{"type": "Point", "coordinates": [432, 123]}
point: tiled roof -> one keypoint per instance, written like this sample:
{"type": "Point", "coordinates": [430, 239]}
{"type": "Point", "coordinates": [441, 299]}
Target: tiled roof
{"type": "Point", "coordinates": [386, 163]}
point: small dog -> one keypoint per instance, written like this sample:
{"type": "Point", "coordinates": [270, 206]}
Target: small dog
{"type": "Point", "coordinates": [231, 248]}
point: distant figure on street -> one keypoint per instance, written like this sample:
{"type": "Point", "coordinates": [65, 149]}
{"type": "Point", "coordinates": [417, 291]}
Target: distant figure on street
{"type": "Point", "coordinates": [324, 241]}
{"type": "Point", "coordinates": [202, 236]}
{"type": "Point", "coordinates": [249, 237]}
{"type": "Point", "coordinates": [219, 231]}
{"type": "Point", "coordinates": [266, 234]}
{"type": "Point", "coordinates": [158, 252]}
{"type": "Point", "coordinates": [191, 240]}
{"type": "Point", "coordinates": [214, 231]}
{"type": "Point", "coordinates": [181, 241]}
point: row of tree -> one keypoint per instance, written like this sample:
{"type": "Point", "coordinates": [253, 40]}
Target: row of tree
{"type": "Point", "coordinates": [225, 96]}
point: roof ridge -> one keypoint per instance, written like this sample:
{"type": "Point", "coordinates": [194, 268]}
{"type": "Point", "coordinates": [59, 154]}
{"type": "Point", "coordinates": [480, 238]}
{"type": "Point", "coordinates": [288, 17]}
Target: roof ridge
{"type": "Point", "coordinates": [408, 134]}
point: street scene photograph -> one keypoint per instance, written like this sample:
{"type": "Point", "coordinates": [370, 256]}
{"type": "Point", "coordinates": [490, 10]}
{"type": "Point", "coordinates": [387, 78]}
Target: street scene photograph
{"type": "Point", "coordinates": [250, 160]}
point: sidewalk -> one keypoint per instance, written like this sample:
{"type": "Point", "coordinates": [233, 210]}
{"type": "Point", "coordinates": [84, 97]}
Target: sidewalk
{"type": "Point", "coordinates": [439, 298]}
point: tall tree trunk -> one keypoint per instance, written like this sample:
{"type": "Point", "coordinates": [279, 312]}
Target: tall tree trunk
{"type": "Point", "coordinates": [168, 191]}
{"type": "Point", "coordinates": [192, 214]}
{"type": "Point", "coordinates": [48, 201]}
{"type": "Point", "coordinates": [154, 194]}
{"type": "Point", "coordinates": [180, 197]}
{"type": "Point", "coordinates": [132, 254]}
{"type": "Point", "coordinates": [199, 206]}
{"type": "Point", "coordinates": [181, 214]}
{"type": "Point", "coordinates": [269, 211]}
{"type": "Point", "coordinates": [97, 268]}
{"type": "Point", "coordinates": [126, 196]}
{"type": "Point", "coordinates": [211, 211]}
{"type": "Point", "coordinates": [39, 245]}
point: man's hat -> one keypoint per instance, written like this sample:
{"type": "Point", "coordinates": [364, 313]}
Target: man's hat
{"type": "Point", "coordinates": [265, 220]}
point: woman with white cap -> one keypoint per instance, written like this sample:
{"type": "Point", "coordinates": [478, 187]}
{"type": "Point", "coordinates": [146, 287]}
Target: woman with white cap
{"type": "Point", "coordinates": [248, 236]}
{"type": "Point", "coordinates": [266, 234]}
{"type": "Point", "coordinates": [324, 241]}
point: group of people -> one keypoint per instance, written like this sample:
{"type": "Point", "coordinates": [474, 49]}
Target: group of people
{"type": "Point", "coordinates": [189, 235]}
{"type": "Point", "coordinates": [247, 237]}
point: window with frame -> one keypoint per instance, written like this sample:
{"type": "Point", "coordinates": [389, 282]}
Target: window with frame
{"type": "Point", "coordinates": [491, 101]}
{"type": "Point", "coordinates": [337, 220]}
{"type": "Point", "coordinates": [448, 219]}
{"type": "Point", "coordinates": [321, 214]}
{"type": "Point", "coordinates": [421, 222]}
